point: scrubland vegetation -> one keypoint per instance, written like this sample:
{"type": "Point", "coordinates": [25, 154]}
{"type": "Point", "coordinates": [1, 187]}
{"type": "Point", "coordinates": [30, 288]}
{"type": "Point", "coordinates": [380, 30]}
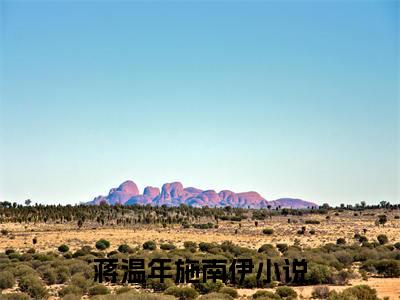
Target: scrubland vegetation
{"type": "Point", "coordinates": [66, 271]}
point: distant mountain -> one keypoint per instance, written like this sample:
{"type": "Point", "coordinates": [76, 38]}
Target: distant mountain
{"type": "Point", "coordinates": [174, 194]}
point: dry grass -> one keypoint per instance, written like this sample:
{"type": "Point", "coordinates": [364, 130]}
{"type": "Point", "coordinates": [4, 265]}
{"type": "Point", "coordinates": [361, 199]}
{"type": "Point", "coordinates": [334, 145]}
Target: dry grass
{"type": "Point", "coordinates": [50, 236]}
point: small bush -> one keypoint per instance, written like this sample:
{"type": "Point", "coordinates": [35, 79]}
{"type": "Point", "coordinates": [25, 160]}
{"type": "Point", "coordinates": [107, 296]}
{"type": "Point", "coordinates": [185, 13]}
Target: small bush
{"type": "Point", "coordinates": [149, 245]}
{"type": "Point", "coordinates": [102, 244]}
{"type": "Point", "coordinates": [320, 292]}
{"type": "Point", "coordinates": [382, 239]}
{"type": "Point", "coordinates": [157, 286]}
{"type": "Point", "coordinates": [15, 296]}
{"type": "Point", "coordinates": [340, 241]}
{"type": "Point", "coordinates": [316, 222]}
{"type": "Point", "coordinates": [361, 292]}
{"type": "Point", "coordinates": [318, 274]}
{"type": "Point", "coordinates": [191, 246]}
{"type": "Point", "coordinates": [387, 267]}
{"type": "Point", "coordinates": [99, 289]}
{"type": "Point", "coordinates": [9, 251]}
{"type": "Point", "coordinates": [80, 281]}
{"type": "Point", "coordinates": [49, 276]}
{"type": "Point", "coordinates": [265, 248]}
{"type": "Point", "coordinates": [229, 291]}
{"type": "Point", "coordinates": [124, 248]}
{"type": "Point", "coordinates": [282, 247]}
{"type": "Point", "coordinates": [268, 231]}
{"type": "Point", "coordinates": [208, 225]}
{"type": "Point", "coordinates": [208, 287]}
{"type": "Point", "coordinates": [70, 289]}
{"type": "Point", "coordinates": [167, 246]}
{"type": "Point", "coordinates": [63, 274]}
{"type": "Point", "coordinates": [182, 293]}
{"type": "Point", "coordinates": [63, 248]}
{"type": "Point", "coordinates": [397, 245]}
{"type": "Point", "coordinates": [33, 287]}
{"type": "Point", "coordinates": [7, 280]}
{"type": "Point", "coordinates": [286, 292]}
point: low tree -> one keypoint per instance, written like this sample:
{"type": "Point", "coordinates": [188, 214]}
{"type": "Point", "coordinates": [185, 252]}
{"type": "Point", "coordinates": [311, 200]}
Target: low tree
{"type": "Point", "coordinates": [382, 239]}
{"type": "Point", "coordinates": [382, 219]}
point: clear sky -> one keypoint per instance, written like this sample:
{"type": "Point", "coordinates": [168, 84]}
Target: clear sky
{"type": "Point", "coordinates": [287, 98]}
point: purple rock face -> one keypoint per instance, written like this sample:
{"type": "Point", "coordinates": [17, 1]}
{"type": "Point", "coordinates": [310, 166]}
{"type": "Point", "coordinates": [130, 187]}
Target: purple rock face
{"type": "Point", "coordinates": [173, 194]}
{"type": "Point", "coordinates": [119, 195]}
{"type": "Point", "coordinates": [128, 187]}
{"type": "Point", "coordinates": [151, 192]}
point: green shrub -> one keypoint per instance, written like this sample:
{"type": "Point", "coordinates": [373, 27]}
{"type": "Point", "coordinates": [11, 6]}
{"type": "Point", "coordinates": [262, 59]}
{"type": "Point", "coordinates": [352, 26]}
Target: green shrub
{"type": "Point", "coordinates": [286, 292]}
{"type": "Point", "coordinates": [265, 295]}
{"type": "Point", "coordinates": [359, 292]}
{"type": "Point", "coordinates": [316, 222]}
{"type": "Point", "coordinates": [124, 248]}
{"type": "Point", "coordinates": [149, 245]}
{"type": "Point", "coordinates": [266, 248]}
{"type": "Point", "coordinates": [9, 251]}
{"type": "Point", "coordinates": [15, 296]}
{"type": "Point", "coordinates": [7, 280]}
{"type": "Point", "coordinates": [229, 291]}
{"type": "Point", "coordinates": [49, 276]}
{"type": "Point", "coordinates": [14, 255]}
{"type": "Point", "coordinates": [63, 274]}
{"type": "Point", "coordinates": [63, 248]}
{"type": "Point", "coordinates": [397, 245]}
{"type": "Point", "coordinates": [268, 231]}
{"type": "Point", "coordinates": [382, 239]}
{"type": "Point", "coordinates": [249, 282]}
{"type": "Point", "coordinates": [80, 281]}
{"type": "Point", "coordinates": [208, 225]}
{"type": "Point", "coordinates": [70, 289]}
{"type": "Point", "coordinates": [340, 241]}
{"type": "Point", "coordinates": [33, 287]}
{"type": "Point", "coordinates": [191, 246]}
{"type": "Point", "coordinates": [344, 257]}
{"type": "Point", "coordinates": [182, 293]}
{"type": "Point", "coordinates": [102, 244]}
{"type": "Point", "coordinates": [209, 247]}
{"type": "Point", "coordinates": [23, 270]}
{"type": "Point", "coordinates": [185, 225]}
{"type": "Point", "coordinates": [167, 246]}
{"type": "Point", "coordinates": [158, 286]}
{"type": "Point", "coordinates": [318, 274]}
{"type": "Point", "coordinates": [282, 247]}
{"type": "Point", "coordinates": [99, 289]}
{"type": "Point", "coordinates": [387, 267]}
{"type": "Point", "coordinates": [208, 287]}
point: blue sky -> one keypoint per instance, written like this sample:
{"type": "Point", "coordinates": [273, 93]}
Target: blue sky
{"type": "Point", "coordinates": [290, 99]}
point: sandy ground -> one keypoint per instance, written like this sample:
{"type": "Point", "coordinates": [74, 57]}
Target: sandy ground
{"type": "Point", "coordinates": [50, 236]}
